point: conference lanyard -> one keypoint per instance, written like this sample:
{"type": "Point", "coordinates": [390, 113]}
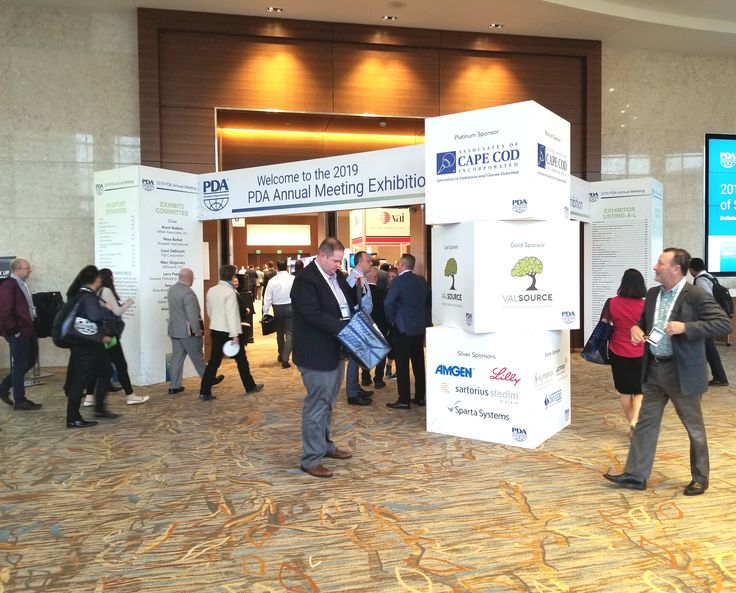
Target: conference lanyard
{"type": "Point", "coordinates": [676, 294]}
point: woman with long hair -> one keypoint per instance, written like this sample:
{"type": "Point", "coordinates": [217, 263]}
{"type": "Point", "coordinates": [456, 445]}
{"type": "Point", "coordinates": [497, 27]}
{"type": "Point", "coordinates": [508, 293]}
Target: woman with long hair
{"type": "Point", "coordinates": [109, 296]}
{"type": "Point", "coordinates": [626, 359]}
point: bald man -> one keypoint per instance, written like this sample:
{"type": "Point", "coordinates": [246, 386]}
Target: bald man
{"type": "Point", "coordinates": [16, 326]}
{"type": "Point", "coordinates": [186, 330]}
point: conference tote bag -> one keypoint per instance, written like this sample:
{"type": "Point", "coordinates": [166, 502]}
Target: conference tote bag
{"type": "Point", "coordinates": [364, 341]}
{"type": "Point", "coordinates": [596, 349]}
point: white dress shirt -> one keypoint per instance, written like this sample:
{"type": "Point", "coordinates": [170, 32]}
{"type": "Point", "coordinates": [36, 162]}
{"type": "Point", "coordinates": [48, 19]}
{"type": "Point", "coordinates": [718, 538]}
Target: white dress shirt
{"type": "Point", "coordinates": [278, 291]}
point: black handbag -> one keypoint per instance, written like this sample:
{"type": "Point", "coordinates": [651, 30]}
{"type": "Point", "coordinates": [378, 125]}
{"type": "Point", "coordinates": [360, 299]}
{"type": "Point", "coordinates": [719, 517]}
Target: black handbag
{"type": "Point", "coordinates": [596, 348]}
{"type": "Point", "coordinates": [363, 340]}
{"type": "Point", "coordinates": [268, 324]}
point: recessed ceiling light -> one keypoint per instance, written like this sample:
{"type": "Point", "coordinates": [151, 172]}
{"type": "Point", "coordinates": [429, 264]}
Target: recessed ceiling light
{"type": "Point", "coordinates": [495, 25]}
{"type": "Point", "coordinates": [388, 17]}
{"type": "Point", "coordinates": [275, 9]}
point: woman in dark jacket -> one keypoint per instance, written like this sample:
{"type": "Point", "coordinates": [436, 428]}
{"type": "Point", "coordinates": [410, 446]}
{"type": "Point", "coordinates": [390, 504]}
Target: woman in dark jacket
{"type": "Point", "coordinates": [88, 360]}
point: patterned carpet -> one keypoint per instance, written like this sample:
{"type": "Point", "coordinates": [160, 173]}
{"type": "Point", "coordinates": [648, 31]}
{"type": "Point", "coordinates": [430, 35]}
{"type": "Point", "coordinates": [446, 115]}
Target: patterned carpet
{"type": "Point", "coordinates": [182, 496]}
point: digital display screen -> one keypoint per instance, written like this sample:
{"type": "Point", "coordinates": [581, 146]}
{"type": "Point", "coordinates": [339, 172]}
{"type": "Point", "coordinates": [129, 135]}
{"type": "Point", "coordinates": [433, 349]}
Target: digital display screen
{"type": "Point", "coordinates": [720, 204]}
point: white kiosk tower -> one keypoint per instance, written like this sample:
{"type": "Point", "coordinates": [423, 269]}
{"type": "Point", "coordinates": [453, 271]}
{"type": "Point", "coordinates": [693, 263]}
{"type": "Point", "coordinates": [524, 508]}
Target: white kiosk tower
{"type": "Point", "coordinates": [505, 280]}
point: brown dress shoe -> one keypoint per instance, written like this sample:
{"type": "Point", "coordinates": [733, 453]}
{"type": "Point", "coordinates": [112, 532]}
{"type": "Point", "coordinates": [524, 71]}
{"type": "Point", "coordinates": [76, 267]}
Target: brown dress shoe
{"type": "Point", "coordinates": [318, 471]}
{"type": "Point", "coordinates": [339, 454]}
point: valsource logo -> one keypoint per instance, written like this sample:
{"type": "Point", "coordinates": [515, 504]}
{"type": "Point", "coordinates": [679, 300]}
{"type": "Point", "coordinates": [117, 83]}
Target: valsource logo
{"type": "Point", "coordinates": [446, 163]}
{"type": "Point", "coordinates": [453, 371]}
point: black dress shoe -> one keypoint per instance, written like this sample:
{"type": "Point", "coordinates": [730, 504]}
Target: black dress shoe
{"type": "Point", "coordinates": [106, 414]}
{"type": "Point", "coordinates": [285, 365]}
{"type": "Point", "coordinates": [27, 405]}
{"type": "Point", "coordinates": [360, 401]}
{"type": "Point", "coordinates": [81, 424]}
{"type": "Point", "coordinates": [626, 481]}
{"type": "Point", "coordinates": [364, 393]}
{"type": "Point", "coordinates": [379, 384]}
{"type": "Point", "coordinates": [278, 358]}
{"type": "Point", "coordinates": [398, 405]}
{"type": "Point", "coordinates": [366, 381]}
{"type": "Point", "coordinates": [115, 387]}
{"type": "Point", "coordinates": [695, 488]}
{"type": "Point", "coordinates": [175, 391]}
{"type": "Point", "coordinates": [717, 383]}
{"type": "Point", "coordinates": [206, 398]}
{"type": "Point", "coordinates": [6, 398]}
{"type": "Point", "coordinates": [419, 402]}
{"type": "Point", "coordinates": [256, 389]}
{"type": "Point", "coordinates": [219, 379]}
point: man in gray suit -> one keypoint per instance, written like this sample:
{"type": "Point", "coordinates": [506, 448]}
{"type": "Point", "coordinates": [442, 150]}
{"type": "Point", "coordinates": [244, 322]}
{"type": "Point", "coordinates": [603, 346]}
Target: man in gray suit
{"type": "Point", "coordinates": [185, 330]}
{"type": "Point", "coordinates": [676, 320]}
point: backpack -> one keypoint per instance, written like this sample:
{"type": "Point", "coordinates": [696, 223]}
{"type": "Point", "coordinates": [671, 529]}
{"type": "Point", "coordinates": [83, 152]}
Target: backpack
{"type": "Point", "coordinates": [722, 295]}
{"type": "Point", "coordinates": [63, 321]}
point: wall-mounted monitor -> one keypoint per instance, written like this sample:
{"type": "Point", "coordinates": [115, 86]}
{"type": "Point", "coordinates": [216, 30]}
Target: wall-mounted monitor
{"type": "Point", "coordinates": [720, 204]}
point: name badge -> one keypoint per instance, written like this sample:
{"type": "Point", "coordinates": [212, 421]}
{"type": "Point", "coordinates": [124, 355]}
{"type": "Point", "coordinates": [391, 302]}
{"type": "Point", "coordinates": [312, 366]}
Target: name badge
{"type": "Point", "coordinates": [655, 336]}
{"type": "Point", "coordinates": [345, 311]}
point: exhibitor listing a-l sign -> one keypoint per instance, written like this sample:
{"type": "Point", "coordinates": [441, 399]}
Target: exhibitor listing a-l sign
{"type": "Point", "coordinates": [492, 388]}
{"type": "Point", "coordinates": [506, 276]}
{"type": "Point", "coordinates": [510, 162]}
{"type": "Point", "coordinates": [391, 177]}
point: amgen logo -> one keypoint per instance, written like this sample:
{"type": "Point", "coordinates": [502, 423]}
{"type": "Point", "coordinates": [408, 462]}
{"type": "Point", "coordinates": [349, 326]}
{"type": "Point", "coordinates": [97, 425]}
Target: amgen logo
{"type": "Point", "coordinates": [454, 371]}
{"type": "Point", "coordinates": [216, 194]}
{"type": "Point", "coordinates": [446, 163]}
{"type": "Point", "coordinates": [728, 160]}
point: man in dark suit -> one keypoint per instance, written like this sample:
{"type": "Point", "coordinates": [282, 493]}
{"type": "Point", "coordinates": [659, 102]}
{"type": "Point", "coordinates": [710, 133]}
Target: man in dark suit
{"type": "Point", "coordinates": [407, 307]}
{"type": "Point", "coordinates": [676, 320]}
{"type": "Point", "coordinates": [378, 314]}
{"type": "Point", "coordinates": [321, 302]}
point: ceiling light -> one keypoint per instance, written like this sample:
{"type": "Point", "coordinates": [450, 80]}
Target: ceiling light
{"type": "Point", "coordinates": [275, 9]}
{"type": "Point", "coordinates": [495, 25]}
{"type": "Point", "coordinates": [388, 17]}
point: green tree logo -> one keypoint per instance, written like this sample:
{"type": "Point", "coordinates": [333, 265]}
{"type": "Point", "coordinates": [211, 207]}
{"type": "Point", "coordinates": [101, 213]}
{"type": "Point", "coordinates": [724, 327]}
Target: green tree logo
{"type": "Point", "coordinates": [527, 266]}
{"type": "Point", "coordinates": [451, 270]}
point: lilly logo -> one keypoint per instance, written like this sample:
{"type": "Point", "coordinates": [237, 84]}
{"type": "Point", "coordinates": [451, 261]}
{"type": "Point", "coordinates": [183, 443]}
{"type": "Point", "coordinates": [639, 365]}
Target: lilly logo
{"type": "Point", "coordinates": [728, 160]}
{"type": "Point", "coordinates": [446, 163]}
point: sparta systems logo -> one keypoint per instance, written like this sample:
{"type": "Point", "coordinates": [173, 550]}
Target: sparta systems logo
{"type": "Point", "coordinates": [446, 163]}
{"type": "Point", "coordinates": [216, 194]}
{"type": "Point", "coordinates": [454, 371]}
{"type": "Point", "coordinates": [728, 160]}
{"type": "Point", "coordinates": [553, 399]}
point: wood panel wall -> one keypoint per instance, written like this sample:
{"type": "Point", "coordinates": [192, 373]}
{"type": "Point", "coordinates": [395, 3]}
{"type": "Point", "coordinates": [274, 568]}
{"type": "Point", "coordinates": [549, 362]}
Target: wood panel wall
{"type": "Point", "coordinates": [190, 63]}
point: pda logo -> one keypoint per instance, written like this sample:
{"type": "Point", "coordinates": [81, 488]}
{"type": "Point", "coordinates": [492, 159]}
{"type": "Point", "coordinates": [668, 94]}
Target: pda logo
{"type": "Point", "coordinates": [518, 206]}
{"type": "Point", "coordinates": [728, 160]}
{"type": "Point", "coordinates": [593, 196]}
{"type": "Point", "coordinates": [519, 434]}
{"type": "Point", "coordinates": [568, 317]}
{"type": "Point", "coordinates": [99, 189]}
{"type": "Point", "coordinates": [541, 156]}
{"type": "Point", "coordinates": [468, 319]}
{"type": "Point", "coordinates": [216, 194]}
{"type": "Point", "coordinates": [446, 162]}
{"type": "Point", "coordinates": [454, 371]}
{"type": "Point", "coordinates": [528, 266]}
{"type": "Point", "coordinates": [85, 326]}
{"type": "Point", "coordinates": [567, 414]}
{"type": "Point", "coordinates": [148, 184]}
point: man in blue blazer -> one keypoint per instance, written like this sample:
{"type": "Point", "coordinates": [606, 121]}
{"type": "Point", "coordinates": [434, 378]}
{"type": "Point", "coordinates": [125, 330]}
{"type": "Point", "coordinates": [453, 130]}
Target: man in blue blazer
{"type": "Point", "coordinates": [407, 307]}
{"type": "Point", "coordinates": [321, 301]}
{"type": "Point", "coordinates": [676, 320]}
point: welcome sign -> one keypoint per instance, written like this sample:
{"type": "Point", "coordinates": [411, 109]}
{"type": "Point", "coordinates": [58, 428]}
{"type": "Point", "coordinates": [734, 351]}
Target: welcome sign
{"type": "Point", "coordinates": [502, 163]}
{"type": "Point", "coordinates": [512, 389]}
{"type": "Point", "coordinates": [387, 178]}
{"type": "Point", "coordinates": [490, 276]}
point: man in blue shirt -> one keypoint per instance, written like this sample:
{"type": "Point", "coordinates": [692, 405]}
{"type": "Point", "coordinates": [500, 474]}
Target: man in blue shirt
{"type": "Point", "coordinates": [358, 396]}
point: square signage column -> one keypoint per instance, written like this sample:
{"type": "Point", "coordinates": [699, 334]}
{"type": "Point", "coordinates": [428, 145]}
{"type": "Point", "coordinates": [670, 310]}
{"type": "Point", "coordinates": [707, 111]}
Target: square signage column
{"type": "Point", "coordinates": [490, 276]}
{"type": "Point", "coordinates": [502, 163]}
{"type": "Point", "coordinates": [146, 230]}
